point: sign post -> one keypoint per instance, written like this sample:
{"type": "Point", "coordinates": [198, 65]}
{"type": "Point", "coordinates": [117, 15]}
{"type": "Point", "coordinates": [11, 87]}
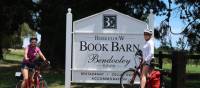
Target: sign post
{"type": "Point", "coordinates": [68, 50]}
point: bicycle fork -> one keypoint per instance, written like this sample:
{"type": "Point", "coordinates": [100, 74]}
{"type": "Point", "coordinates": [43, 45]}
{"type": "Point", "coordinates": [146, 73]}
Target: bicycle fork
{"type": "Point", "coordinates": [133, 78]}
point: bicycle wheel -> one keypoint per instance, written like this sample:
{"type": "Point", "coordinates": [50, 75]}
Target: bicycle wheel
{"type": "Point", "coordinates": [43, 84]}
{"type": "Point", "coordinates": [18, 85]}
{"type": "Point", "coordinates": [126, 79]}
{"type": "Point", "coordinates": [40, 83]}
{"type": "Point", "coordinates": [163, 83]}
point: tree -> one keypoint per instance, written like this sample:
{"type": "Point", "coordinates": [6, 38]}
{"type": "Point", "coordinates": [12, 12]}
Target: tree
{"type": "Point", "coordinates": [12, 14]}
{"type": "Point", "coordinates": [189, 13]}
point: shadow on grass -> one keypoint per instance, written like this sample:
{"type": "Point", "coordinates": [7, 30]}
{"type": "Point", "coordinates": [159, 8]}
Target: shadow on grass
{"type": "Point", "coordinates": [54, 78]}
{"type": "Point", "coordinates": [193, 80]}
{"type": "Point", "coordinates": [7, 76]}
{"type": "Point", "coordinates": [194, 83]}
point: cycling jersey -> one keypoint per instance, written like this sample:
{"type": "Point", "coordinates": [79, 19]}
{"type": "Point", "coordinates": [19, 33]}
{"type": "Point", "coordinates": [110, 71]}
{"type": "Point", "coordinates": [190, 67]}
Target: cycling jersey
{"type": "Point", "coordinates": [32, 52]}
{"type": "Point", "coordinates": [148, 51]}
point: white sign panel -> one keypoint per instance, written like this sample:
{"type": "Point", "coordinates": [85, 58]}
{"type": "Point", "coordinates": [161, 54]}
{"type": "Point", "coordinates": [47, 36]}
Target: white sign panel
{"type": "Point", "coordinates": [103, 56]}
{"type": "Point", "coordinates": [104, 51]}
{"type": "Point", "coordinates": [103, 46]}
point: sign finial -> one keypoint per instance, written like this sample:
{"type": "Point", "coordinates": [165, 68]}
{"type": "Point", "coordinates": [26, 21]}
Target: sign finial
{"type": "Point", "coordinates": [69, 10]}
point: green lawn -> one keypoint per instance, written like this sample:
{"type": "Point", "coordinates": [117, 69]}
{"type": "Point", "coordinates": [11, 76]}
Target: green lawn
{"type": "Point", "coordinates": [190, 68]}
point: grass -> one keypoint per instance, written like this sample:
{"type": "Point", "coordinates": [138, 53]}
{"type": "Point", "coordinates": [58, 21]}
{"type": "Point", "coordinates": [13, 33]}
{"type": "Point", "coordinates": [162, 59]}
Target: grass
{"type": "Point", "coordinates": [55, 79]}
{"type": "Point", "coordinates": [190, 68]}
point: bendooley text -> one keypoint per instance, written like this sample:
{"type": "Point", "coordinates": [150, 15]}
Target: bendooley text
{"type": "Point", "coordinates": [95, 58]}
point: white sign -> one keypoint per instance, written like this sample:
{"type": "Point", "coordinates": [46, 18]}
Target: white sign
{"type": "Point", "coordinates": [103, 57]}
{"type": "Point", "coordinates": [103, 46]}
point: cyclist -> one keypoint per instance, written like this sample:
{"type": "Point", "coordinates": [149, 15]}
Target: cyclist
{"type": "Point", "coordinates": [31, 51]}
{"type": "Point", "coordinates": [148, 52]}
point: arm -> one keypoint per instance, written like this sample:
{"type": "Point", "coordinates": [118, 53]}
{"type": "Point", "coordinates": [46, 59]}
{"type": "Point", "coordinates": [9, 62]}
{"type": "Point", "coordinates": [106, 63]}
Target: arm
{"type": "Point", "coordinates": [42, 56]}
{"type": "Point", "coordinates": [26, 53]}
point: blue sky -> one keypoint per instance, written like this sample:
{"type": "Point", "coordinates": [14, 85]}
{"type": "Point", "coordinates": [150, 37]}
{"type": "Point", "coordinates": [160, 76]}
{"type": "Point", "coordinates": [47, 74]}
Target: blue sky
{"type": "Point", "coordinates": [176, 24]}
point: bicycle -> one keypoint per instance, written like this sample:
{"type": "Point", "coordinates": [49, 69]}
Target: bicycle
{"type": "Point", "coordinates": [131, 78]}
{"type": "Point", "coordinates": [34, 81]}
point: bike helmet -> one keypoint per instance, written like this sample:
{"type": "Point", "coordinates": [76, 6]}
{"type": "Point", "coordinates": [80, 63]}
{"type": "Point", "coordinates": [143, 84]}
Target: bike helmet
{"type": "Point", "coordinates": [148, 31]}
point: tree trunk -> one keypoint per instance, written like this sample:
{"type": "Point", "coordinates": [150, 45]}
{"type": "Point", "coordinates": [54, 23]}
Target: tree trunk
{"type": "Point", "coordinates": [1, 50]}
{"type": "Point", "coordinates": [1, 54]}
{"type": "Point", "coordinates": [179, 61]}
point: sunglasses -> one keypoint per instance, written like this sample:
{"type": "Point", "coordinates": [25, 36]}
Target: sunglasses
{"type": "Point", "coordinates": [146, 34]}
{"type": "Point", "coordinates": [33, 42]}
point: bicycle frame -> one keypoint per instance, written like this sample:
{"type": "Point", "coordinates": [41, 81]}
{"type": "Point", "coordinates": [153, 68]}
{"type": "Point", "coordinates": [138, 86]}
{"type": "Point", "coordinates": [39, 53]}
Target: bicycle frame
{"type": "Point", "coordinates": [34, 79]}
{"type": "Point", "coordinates": [137, 69]}
{"type": "Point", "coordinates": [136, 72]}
{"type": "Point", "coordinates": [37, 76]}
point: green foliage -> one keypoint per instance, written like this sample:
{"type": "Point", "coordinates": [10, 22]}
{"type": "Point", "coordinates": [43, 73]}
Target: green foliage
{"type": "Point", "coordinates": [12, 14]}
{"type": "Point", "coordinates": [11, 41]}
{"type": "Point", "coordinates": [135, 8]}
{"type": "Point", "coordinates": [26, 30]}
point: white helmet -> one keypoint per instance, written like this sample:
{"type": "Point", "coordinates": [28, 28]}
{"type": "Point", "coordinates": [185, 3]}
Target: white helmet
{"type": "Point", "coordinates": [148, 31]}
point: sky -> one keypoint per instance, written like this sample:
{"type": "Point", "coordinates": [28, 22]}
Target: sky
{"type": "Point", "coordinates": [176, 24]}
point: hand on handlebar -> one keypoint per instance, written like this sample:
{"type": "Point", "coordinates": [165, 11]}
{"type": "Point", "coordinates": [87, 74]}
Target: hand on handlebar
{"type": "Point", "coordinates": [47, 62]}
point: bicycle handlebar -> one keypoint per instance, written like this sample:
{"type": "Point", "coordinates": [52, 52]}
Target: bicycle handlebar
{"type": "Point", "coordinates": [38, 62]}
{"type": "Point", "coordinates": [138, 52]}
{"type": "Point", "coordinates": [47, 62]}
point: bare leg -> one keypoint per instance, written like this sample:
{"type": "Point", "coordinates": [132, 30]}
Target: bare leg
{"type": "Point", "coordinates": [143, 76]}
{"type": "Point", "coordinates": [32, 79]}
{"type": "Point", "coordinates": [25, 76]}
